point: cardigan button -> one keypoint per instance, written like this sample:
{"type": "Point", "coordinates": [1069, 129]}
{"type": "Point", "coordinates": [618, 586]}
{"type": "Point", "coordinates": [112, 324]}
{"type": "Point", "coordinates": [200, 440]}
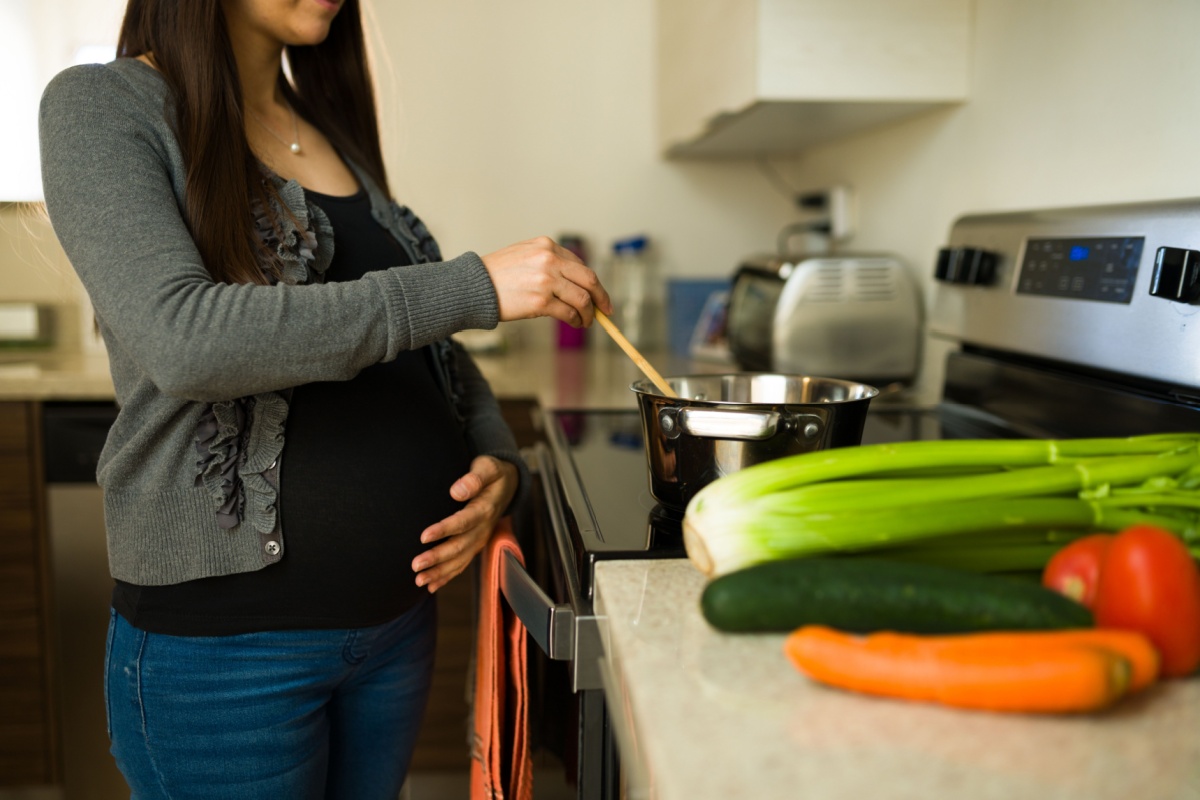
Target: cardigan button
{"type": "Point", "coordinates": [272, 548]}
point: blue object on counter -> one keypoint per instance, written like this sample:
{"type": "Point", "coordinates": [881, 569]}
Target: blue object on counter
{"type": "Point", "coordinates": [685, 300]}
{"type": "Point", "coordinates": [628, 439]}
{"type": "Point", "coordinates": [631, 244]}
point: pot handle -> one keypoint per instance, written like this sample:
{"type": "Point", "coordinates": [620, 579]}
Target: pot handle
{"type": "Point", "coordinates": [747, 425]}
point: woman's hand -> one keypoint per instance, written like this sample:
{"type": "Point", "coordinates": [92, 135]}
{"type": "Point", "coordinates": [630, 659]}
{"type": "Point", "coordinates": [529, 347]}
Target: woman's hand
{"type": "Point", "coordinates": [487, 490]}
{"type": "Point", "coordinates": [537, 278]}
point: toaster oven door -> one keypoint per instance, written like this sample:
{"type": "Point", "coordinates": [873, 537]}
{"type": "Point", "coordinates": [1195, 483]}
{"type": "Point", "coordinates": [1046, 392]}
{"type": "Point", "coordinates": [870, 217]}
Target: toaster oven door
{"type": "Point", "coordinates": [751, 315]}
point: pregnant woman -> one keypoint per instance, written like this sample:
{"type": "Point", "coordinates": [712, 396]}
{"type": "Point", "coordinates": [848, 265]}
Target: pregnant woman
{"type": "Point", "coordinates": [302, 457]}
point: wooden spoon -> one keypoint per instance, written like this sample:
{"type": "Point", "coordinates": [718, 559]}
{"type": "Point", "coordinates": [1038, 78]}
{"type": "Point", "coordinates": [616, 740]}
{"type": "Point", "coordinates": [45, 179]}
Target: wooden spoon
{"type": "Point", "coordinates": [631, 351]}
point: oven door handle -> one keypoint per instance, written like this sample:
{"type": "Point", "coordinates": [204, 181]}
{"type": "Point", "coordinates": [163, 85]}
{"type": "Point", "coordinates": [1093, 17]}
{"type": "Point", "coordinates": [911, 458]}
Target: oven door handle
{"type": "Point", "coordinates": [552, 625]}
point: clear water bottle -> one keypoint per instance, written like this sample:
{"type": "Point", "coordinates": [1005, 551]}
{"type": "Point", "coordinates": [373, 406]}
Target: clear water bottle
{"type": "Point", "coordinates": [637, 292]}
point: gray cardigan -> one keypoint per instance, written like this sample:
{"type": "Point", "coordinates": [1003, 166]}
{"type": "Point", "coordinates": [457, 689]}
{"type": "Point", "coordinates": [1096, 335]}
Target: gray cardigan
{"type": "Point", "coordinates": [202, 370]}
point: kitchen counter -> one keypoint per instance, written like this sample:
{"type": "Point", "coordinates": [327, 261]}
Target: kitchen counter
{"type": "Point", "coordinates": [55, 377]}
{"type": "Point", "coordinates": [701, 714]}
{"type": "Point", "coordinates": [597, 377]}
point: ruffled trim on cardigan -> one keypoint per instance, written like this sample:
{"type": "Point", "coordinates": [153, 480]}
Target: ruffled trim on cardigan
{"type": "Point", "coordinates": [297, 233]}
{"type": "Point", "coordinates": [238, 440]}
{"type": "Point", "coordinates": [220, 447]}
{"type": "Point", "coordinates": [407, 221]}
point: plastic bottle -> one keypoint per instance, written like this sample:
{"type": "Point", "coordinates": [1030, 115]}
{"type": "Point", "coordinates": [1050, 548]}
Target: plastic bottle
{"type": "Point", "coordinates": [568, 337]}
{"type": "Point", "coordinates": [637, 292]}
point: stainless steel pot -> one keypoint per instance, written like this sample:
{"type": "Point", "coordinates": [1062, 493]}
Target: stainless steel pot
{"type": "Point", "coordinates": [720, 424]}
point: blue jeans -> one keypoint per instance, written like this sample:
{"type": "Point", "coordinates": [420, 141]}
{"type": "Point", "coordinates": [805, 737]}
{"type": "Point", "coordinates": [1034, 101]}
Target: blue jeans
{"type": "Point", "coordinates": [281, 714]}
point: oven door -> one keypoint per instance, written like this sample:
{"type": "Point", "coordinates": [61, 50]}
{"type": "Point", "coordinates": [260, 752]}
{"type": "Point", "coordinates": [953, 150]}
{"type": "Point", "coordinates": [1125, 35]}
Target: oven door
{"type": "Point", "coordinates": [562, 625]}
{"type": "Point", "coordinates": [567, 712]}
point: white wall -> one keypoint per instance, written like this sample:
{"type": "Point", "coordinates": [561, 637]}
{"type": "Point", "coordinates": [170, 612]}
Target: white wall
{"type": "Point", "coordinates": [19, 176]}
{"type": "Point", "coordinates": [510, 120]}
{"type": "Point", "coordinates": [53, 33]}
{"type": "Point", "coordinates": [36, 41]}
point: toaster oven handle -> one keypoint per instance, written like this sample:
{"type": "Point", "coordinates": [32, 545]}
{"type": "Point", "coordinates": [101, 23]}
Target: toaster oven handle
{"type": "Point", "coordinates": [749, 425]}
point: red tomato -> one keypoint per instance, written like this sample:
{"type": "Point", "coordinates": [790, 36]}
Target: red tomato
{"type": "Point", "coordinates": [1075, 570]}
{"type": "Point", "coordinates": [1150, 583]}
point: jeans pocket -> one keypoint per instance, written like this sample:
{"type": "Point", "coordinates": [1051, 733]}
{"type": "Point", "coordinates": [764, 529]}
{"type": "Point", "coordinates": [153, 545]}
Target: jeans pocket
{"type": "Point", "coordinates": [108, 647]}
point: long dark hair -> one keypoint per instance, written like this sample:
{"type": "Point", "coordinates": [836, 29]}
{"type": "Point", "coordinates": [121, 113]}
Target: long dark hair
{"type": "Point", "coordinates": [190, 45]}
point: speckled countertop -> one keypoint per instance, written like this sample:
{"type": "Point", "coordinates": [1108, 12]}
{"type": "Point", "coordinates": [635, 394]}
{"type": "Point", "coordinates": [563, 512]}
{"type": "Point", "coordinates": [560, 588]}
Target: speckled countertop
{"type": "Point", "coordinates": [701, 714]}
{"type": "Point", "coordinates": [49, 376]}
{"type": "Point", "coordinates": [596, 377]}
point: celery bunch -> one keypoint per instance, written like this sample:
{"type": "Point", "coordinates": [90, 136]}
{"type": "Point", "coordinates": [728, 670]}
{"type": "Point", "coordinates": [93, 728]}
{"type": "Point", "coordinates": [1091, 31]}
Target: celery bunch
{"type": "Point", "coordinates": [983, 505]}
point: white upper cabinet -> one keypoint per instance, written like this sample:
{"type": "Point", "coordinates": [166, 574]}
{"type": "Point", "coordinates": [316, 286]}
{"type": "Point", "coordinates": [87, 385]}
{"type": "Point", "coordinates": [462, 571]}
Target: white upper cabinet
{"type": "Point", "coordinates": [758, 77]}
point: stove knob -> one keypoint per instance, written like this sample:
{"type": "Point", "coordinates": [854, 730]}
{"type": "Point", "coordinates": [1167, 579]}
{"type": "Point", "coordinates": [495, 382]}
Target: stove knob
{"type": "Point", "coordinates": [968, 265]}
{"type": "Point", "coordinates": [1176, 275]}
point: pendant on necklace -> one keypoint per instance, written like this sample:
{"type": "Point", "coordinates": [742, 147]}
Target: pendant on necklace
{"type": "Point", "coordinates": [295, 143]}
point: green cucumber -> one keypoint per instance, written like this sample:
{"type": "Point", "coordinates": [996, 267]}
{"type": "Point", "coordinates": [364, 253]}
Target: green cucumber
{"type": "Point", "coordinates": [863, 595]}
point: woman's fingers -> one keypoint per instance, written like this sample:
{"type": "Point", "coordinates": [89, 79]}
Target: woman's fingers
{"type": "Point", "coordinates": [566, 254]}
{"type": "Point", "coordinates": [458, 523]}
{"type": "Point", "coordinates": [440, 564]}
{"type": "Point", "coordinates": [484, 471]}
{"type": "Point", "coordinates": [538, 278]}
{"type": "Point", "coordinates": [463, 534]}
{"type": "Point", "coordinates": [467, 486]}
{"type": "Point", "coordinates": [581, 289]}
{"type": "Point", "coordinates": [487, 489]}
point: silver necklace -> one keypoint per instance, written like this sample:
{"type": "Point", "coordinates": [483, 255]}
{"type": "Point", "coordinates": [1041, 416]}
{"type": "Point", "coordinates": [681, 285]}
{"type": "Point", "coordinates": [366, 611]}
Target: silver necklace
{"type": "Point", "coordinates": [293, 145]}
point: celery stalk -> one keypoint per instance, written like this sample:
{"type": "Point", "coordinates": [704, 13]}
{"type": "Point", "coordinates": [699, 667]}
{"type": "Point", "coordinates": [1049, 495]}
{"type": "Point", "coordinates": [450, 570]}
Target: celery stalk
{"type": "Point", "coordinates": [1031, 481]}
{"type": "Point", "coordinates": [867, 498]}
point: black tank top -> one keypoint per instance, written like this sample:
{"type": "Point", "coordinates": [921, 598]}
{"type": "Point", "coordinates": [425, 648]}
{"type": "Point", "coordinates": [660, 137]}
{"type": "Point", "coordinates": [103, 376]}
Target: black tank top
{"type": "Point", "coordinates": [367, 465]}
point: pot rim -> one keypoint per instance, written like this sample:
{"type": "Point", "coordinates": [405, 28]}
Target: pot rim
{"type": "Point", "coordinates": [644, 387]}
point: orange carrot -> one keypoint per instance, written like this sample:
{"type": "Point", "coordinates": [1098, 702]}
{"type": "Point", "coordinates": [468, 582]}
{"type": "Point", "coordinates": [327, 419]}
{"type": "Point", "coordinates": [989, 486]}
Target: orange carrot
{"type": "Point", "coordinates": [1134, 647]}
{"type": "Point", "coordinates": [1027, 675]}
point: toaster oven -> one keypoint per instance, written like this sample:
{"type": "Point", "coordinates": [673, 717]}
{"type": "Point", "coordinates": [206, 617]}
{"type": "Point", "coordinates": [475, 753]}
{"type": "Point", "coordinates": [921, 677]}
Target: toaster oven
{"type": "Point", "coordinates": [852, 317]}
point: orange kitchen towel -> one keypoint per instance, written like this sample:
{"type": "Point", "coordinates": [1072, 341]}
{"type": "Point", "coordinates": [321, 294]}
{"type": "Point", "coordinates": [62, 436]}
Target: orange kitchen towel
{"type": "Point", "coordinates": [501, 764]}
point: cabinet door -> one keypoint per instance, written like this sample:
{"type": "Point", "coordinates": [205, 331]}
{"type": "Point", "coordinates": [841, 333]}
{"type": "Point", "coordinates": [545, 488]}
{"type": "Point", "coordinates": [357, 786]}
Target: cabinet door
{"type": "Point", "coordinates": [751, 77]}
{"type": "Point", "coordinates": [28, 733]}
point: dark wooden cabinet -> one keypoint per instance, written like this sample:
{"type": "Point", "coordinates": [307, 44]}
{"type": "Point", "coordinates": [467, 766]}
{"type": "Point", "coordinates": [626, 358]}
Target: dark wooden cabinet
{"type": "Point", "coordinates": [29, 747]}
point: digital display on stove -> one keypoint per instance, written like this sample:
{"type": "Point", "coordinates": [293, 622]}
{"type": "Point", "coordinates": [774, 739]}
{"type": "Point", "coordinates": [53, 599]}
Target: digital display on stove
{"type": "Point", "coordinates": [1101, 269]}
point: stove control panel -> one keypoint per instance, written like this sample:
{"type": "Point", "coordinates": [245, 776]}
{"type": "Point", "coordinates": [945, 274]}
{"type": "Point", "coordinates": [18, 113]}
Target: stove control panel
{"type": "Point", "coordinates": [1176, 275]}
{"type": "Point", "coordinates": [1112, 288]}
{"type": "Point", "coordinates": [1102, 269]}
{"type": "Point", "coordinates": [968, 265]}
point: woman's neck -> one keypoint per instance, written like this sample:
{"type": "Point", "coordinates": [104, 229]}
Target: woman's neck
{"type": "Point", "coordinates": [259, 61]}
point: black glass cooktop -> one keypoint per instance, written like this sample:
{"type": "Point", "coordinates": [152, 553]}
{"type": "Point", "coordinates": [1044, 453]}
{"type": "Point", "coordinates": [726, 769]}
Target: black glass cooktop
{"type": "Point", "coordinates": [604, 476]}
{"type": "Point", "coordinates": [605, 482]}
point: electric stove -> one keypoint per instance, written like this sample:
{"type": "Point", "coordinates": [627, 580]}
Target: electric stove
{"type": "Point", "coordinates": [1062, 323]}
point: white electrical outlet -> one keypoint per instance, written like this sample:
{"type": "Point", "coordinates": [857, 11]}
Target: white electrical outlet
{"type": "Point", "coordinates": [832, 209]}
{"type": "Point", "coordinates": [841, 213]}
